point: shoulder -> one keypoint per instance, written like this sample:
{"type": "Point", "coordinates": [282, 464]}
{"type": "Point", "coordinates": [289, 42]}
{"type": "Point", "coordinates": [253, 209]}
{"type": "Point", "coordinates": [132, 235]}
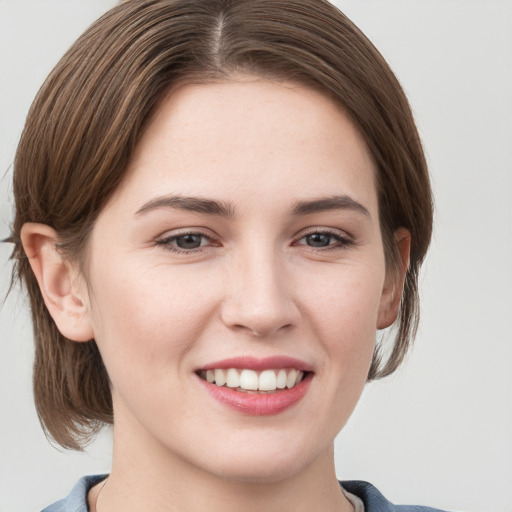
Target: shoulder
{"type": "Point", "coordinates": [374, 501]}
{"type": "Point", "coordinates": [76, 501]}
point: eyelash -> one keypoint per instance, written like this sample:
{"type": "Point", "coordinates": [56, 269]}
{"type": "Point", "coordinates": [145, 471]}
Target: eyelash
{"type": "Point", "coordinates": [342, 242]}
{"type": "Point", "coordinates": [166, 242]}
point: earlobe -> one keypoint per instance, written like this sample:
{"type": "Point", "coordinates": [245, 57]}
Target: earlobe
{"type": "Point", "coordinates": [65, 298]}
{"type": "Point", "coordinates": [392, 292]}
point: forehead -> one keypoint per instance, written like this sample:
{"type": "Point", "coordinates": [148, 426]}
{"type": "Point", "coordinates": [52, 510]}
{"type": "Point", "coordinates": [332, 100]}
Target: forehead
{"type": "Point", "coordinates": [250, 136]}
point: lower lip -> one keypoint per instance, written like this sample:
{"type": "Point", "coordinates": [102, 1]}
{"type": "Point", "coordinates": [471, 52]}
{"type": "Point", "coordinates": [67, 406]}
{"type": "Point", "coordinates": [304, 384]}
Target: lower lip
{"type": "Point", "coordinates": [259, 404]}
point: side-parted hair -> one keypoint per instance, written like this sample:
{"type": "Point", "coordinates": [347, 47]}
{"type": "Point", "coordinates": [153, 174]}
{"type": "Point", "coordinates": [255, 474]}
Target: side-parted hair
{"type": "Point", "coordinates": [87, 118]}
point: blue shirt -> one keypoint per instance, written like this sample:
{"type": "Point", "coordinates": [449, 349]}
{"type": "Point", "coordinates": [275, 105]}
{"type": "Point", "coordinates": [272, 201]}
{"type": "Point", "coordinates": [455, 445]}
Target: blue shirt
{"type": "Point", "coordinates": [373, 500]}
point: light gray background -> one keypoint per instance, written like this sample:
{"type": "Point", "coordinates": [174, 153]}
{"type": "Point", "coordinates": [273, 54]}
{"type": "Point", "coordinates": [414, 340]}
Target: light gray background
{"type": "Point", "coordinates": [439, 431]}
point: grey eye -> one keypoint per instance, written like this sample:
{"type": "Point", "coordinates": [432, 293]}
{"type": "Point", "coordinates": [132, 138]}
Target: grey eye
{"type": "Point", "coordinates": [189, 241]}
{"type": "Point", "coordinates": [318, 239]}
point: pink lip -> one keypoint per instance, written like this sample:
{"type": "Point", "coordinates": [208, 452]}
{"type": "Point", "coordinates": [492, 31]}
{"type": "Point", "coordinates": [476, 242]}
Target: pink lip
{"type": "Point", "coordinates": [253, 363]}
{"type": "Point", "coordinates": [259, 404]}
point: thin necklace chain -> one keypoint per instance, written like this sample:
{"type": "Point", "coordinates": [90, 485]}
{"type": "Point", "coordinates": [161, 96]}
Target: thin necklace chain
{"type": "Point", "coordinates": [353, 505]}
{"type": "Point", "coordinates": [99, 493]}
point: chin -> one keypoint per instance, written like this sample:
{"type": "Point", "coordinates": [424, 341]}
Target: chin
{"type": "Point", "coordinates": [260, 466]}
{"type": "Point", "coordinates": [265, 474]}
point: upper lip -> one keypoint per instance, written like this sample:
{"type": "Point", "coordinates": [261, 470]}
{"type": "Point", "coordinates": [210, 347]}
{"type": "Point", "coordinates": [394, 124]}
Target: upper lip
{"type": "Point", "coordinates": [260, 364]}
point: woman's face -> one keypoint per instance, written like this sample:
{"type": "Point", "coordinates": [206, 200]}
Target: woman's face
{"type": "Point", "coordinates": [246, 238]}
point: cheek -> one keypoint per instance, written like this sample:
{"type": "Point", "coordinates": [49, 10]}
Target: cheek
{"type": "Point", "coordinates": [346, 302]}
{"type": "Point", "coordinates": [343, 311]}
{"type": "Point", "coordinates": [148, 319]}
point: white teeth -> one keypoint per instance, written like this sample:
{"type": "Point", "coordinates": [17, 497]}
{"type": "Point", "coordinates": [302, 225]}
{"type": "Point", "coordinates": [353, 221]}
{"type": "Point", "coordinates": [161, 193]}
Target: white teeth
{"type": "Point", "coordinates": [292, 377]}
{"type": "Point", "coordinates": [232, 378]}
{"type": "Point", "coordinates": [267, 380]}
{"type": "Point", "coordinates": [281, 379]}
{"type": "Point", "coordinates": [220, 377]}
{"type": "Point", "coordinates": [250, 380]}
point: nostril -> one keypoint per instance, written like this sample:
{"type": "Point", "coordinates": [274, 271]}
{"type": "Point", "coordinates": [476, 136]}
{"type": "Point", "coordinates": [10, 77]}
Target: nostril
{"type": "Point", "coordinates": [260, 314]}
{"type": "Point", "coordinates": [261, 332]}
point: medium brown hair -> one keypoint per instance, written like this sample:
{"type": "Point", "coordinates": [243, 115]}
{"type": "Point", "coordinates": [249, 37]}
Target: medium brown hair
{"type": "Point", "coordinates": [91, 111]}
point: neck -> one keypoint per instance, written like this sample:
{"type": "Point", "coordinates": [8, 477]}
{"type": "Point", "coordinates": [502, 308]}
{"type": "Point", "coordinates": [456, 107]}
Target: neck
{"type": "Point", "coordinates": [152, 479]}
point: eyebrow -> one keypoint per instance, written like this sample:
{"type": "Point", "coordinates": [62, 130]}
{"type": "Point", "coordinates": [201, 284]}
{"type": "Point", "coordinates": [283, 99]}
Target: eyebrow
{"type": "Point", "coordinates": [323, 204]}
{"type": "Point", "coordinates": [225, 209]}
{"type": "Point", "coordinates": [191, 204]}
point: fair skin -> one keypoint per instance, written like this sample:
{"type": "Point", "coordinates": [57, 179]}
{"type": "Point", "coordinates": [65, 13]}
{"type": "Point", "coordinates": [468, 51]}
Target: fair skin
{"type": "Point", "coordinates": [284, 260]}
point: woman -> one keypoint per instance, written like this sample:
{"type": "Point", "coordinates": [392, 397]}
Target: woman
{"type": "Point", "coordinates": [218, 205]}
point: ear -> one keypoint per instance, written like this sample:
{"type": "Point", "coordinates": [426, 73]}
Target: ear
{"type": "Point", "coordinates": [394, 283]}
{"type": "Point", "coordinates": [63, 290]}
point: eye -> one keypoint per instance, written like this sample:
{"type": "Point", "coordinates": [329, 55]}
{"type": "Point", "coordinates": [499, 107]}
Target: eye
{"type": "Point", "coordinates": [185, 242]}
{"type": "Point", "coordinates": [318, 239]}
{"type": "Point", "coordinates": [189, 241]}
{"type": "Point", "coordinates": [324, 239]}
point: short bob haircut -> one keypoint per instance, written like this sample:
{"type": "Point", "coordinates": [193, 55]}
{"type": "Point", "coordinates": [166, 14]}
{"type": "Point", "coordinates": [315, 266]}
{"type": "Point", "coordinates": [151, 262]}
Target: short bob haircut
{"type": "Point", "coordinates": [91, 111]}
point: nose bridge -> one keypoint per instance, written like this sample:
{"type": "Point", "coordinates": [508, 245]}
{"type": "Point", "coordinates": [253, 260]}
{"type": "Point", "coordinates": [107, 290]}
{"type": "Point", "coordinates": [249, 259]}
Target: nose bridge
{"type": "Point", "coordinates": [259, 299]}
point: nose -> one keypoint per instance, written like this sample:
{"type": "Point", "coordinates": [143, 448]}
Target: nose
{"type": "Point", "coordinates": [259, 299]}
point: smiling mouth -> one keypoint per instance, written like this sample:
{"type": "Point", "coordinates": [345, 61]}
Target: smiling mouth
{"type": "Point", "coordinates": [251, 381]}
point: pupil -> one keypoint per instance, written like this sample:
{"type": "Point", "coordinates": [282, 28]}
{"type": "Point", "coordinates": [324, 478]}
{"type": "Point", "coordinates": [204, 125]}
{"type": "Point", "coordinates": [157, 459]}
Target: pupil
{"type": "Point", "coordinates": [188, 241]}
{"type": "Point", "coordinates": [318, 240]}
